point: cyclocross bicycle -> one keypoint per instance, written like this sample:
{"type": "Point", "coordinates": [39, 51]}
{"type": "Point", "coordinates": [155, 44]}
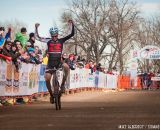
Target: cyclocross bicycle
{"type": "Point", "coordinates": [56, 89]}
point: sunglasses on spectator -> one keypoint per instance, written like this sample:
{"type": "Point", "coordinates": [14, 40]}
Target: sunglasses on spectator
{"type": "Point", "coordinates": [9, 44]}
{"type": "Point", "coordinates": [28, 45]}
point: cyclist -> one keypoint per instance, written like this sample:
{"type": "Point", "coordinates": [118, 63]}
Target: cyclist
{"type": "Point", "coordinates": [55, 48]}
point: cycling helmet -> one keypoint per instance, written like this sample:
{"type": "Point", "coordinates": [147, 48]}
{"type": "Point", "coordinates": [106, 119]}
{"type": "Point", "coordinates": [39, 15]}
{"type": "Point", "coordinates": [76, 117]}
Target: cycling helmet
{"type": "Point", "coordinates": [53, 31]}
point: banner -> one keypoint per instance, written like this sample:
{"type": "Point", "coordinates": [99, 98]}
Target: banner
{"type": "Point", "coordinates": [73, 79]}
{"type": "Point", "coordinates": [147, 52]}
{"type": "Point", "coordinates": [2, 77]}
{"type": "Point", "coordinates": [27, 82]}
{"type": "Point", "coordinates": [101, 81]}
{"type": "Point", "coordinates": [30, 79]}
{"type": "Point", "coordinates": [41, 83]}
{"type": "Point", "coordinates": [112, 81]}
{"type": "Point", "coordinates": [155, 55]}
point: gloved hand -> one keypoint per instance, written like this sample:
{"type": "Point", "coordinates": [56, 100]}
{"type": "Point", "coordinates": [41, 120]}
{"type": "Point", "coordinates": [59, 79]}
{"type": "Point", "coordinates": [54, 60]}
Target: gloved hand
{"type": "Point", "coordinates": [70, 21]}
{"type": "Point", "coordinates": [37, 25]}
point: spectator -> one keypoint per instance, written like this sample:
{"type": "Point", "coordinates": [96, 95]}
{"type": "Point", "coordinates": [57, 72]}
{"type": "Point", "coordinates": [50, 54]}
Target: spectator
{"type": "Point", "coordinates": [7, 48]}
{"type": "Point", "coordinates": [31, 39]}
{"type": "Point", "coordinates": [150, 75]}
{"type": "Point", "coordinates": [80, 64]}
{"type": "Point", "coordinates": [84, 61]}
{"type": "Point", "coordinates": [31, 54]}
{"type": "Point", "coordinates": [37, 50]}
{"type": "Point", "coordinates": [145, 80]}
{"type": "Point", "coordinates": [15, 54]}
{"type": "Point", "coordinates": [23, 57]}
{"type": "Point", "coordinates": [114, 71]}
{"type": "Point", "coordinates": [2, 38]}
{"type": "Point", "coordinates": [65, 58]}
{"type": "Point", "coordinates": [94, 67]}
{"type": "Point", "coordinates": [141, 80]}
{"type": "Point", "coordinates": [38, 54]}
{"type": "Point", "coordinates": [18, 44]}
{"type": "Point", "coordinates": [28, 45]}
{"type": "Point", "coordinates": [110, 72]}
{"type": "Point", "coordinates": [91, 66]}
{"type": "Point", "coordinates": [45, 58]}
{"type": "Point", "coordinates": [6, 51]}
{"type": "Point", "coordinates": [71, 62]}
{"type": "Point", "coordinates": [99, 68]}
{"type": "Point", "coordinates": [158, 73]}
{"type": "Point", "coordinates": [33, 58]}
{"type": "Point", "coordinates": [87, 65]}
{"type": "Point", "coordinates": [78, 58]}
{"type": "Point", "coordinates": [22, 36]}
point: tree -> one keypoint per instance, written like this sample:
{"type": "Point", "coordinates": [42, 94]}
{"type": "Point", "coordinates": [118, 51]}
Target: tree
{"type": "Point", "coordinates": [123, 20]}
{"type": "Point", "coordinates": [104, 29]}
{"type": "Point", "coordinates": [148, 33]}
{"type": "Point", "coordinates": [90, 20]}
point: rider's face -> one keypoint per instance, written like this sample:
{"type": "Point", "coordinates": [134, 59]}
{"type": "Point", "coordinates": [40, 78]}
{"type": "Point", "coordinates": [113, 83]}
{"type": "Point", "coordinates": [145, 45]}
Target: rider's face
{"type": "Point", "coordinates": [55, 37]}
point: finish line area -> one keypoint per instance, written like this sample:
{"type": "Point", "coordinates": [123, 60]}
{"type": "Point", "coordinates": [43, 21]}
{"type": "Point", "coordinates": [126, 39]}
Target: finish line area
{"type": "Point", "coordinates": [86, 110]}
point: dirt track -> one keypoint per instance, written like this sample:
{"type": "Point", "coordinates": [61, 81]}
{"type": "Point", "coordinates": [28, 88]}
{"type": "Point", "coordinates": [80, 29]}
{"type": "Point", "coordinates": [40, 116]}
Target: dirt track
{"type": "Point", "coordinates": [87, 111]}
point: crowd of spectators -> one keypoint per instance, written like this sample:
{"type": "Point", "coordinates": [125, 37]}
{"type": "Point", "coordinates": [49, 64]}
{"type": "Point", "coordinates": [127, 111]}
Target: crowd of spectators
{"type": "Point", "coordinates": [146, 80]}
{"type": "Point", "coordinates": [23, 49]}
{"type": "Point", "coordinates": [76, 61]}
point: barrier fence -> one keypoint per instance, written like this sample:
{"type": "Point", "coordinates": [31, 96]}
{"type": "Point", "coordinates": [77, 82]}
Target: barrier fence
{"type": "Point", "coordinates": [31, 80]}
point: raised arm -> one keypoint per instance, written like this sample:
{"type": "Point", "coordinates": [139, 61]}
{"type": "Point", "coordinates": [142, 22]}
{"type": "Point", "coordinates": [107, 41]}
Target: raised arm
{"type": "Point", "coordinates": [3, 39]}
{"type": "Point", "coordinates": [37, 37]}
{"type": "Point", "coordinates": [72, 32]}
{"type": "Point", "coordinates": [8, 34]}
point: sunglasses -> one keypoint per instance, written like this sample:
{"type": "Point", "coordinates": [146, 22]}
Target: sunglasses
{"type": "Point", "coordinates": [54, 35]}
{"type": "Point", "coordinates": [9, 44]}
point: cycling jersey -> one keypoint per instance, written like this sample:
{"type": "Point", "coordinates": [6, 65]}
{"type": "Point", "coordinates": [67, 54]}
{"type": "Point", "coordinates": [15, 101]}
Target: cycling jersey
{"type": "Point", "coordinates": [55, 48]}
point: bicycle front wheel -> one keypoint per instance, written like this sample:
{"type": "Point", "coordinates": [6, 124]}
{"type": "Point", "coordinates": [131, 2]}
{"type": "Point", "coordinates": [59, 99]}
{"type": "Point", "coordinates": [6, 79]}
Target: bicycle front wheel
{"type": "Point", "coordinates": [58, 102]}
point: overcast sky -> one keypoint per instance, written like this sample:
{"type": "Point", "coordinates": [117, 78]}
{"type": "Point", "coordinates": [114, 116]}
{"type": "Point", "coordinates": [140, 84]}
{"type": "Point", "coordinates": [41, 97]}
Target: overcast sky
{"type": "Point", "coordinates": [48, 12]}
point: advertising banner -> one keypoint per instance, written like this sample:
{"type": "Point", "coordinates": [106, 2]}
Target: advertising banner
{"type": "Point", "coordinates": [41, 83]}
{"type": "Point", "coordinates": [30, 79]}
{"type": "Point", "coordinates": [112, 81]}
{"type": "Point", "coordinates": [2, 77]}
